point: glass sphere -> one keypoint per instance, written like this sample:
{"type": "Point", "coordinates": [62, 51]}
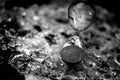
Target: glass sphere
{"type": "Point", "coordinates": [81, 14]}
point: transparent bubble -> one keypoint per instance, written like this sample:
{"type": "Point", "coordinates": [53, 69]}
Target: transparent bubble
{"type": "Point", "coordinates": [81, 14]}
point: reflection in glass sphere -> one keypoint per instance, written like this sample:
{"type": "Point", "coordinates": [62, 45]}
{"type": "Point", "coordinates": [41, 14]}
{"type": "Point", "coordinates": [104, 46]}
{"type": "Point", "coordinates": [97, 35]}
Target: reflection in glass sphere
{"type": "Point", "coordinates": [81, 14]}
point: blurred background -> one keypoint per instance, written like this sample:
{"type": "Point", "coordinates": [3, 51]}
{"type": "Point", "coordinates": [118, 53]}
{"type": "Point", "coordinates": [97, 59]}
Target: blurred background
{"type": "Point", "coordinates": [110, 5]}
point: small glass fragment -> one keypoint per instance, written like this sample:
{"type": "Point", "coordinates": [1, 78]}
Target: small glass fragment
{"type": "Point", "coordinates": [76, 40]}
{"type": "Point", "coordinates": [80, 15]}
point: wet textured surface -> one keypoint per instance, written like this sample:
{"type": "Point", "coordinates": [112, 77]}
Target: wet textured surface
{"type": "Point", "coordinates": [32, 40]}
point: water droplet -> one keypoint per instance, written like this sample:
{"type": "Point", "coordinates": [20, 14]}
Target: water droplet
{"type": "Point", "coordinates": [81, 14]}
{"type": "Point", "coordinates": [72, 54]}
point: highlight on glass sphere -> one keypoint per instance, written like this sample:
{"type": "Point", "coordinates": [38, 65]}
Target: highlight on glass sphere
{"type": "Point", "coordinates": [117, 58]}
{"type": "Point", "coordinates": [72, 54]}
{"type": "Point", "coordinates": [81, 14]}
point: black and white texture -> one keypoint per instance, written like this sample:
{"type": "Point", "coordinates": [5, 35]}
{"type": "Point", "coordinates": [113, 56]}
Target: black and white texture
{"type": "Point", "coordinates": [33, 36]}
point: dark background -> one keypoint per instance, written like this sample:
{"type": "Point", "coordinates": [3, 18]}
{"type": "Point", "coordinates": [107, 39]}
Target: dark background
{"type": "Point", "coordinates": [110, 5]}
